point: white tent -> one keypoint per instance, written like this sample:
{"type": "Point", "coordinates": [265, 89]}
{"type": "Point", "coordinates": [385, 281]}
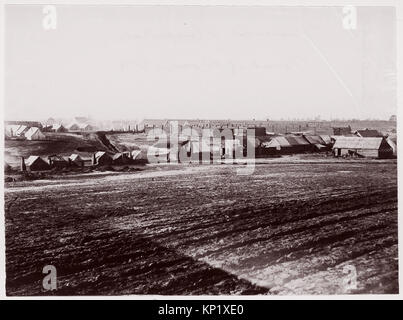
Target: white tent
{"type": "Point", "coordinates": [34, 134]}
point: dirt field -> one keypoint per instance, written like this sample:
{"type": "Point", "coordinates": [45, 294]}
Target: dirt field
{"type": "Point", "coordinates": [290, 228]}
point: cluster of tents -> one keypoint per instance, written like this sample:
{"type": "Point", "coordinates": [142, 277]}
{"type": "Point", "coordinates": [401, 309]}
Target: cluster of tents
{"type": "Point", "coordinates": [196, 149]}
{"type": "Point", "coordinates": [23, 132]}
{"type": "Point", "coordinates": [100, 158]}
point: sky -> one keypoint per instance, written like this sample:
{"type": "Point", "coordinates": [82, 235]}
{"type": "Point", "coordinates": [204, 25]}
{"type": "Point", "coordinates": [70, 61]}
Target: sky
{"type": "Point", "coordinates": [202, 62]}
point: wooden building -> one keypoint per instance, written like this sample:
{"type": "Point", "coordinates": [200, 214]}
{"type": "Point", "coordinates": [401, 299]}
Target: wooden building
{"type": "Point", "coordinates": [362, 147]}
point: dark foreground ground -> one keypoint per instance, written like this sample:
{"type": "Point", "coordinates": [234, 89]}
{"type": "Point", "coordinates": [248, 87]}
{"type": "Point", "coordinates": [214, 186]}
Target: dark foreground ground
{"type": "Point", "coordinates": [290, 228]}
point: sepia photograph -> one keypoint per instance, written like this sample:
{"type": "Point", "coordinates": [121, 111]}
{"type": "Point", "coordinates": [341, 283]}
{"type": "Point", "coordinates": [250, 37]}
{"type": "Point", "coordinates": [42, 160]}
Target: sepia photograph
{"type": "Point", "coordinates": [200, 150]}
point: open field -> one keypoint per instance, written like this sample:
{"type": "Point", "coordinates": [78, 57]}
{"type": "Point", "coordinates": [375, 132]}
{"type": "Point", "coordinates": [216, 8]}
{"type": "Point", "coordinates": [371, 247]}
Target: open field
{"type": "Point", "coordinates": [290, 228]}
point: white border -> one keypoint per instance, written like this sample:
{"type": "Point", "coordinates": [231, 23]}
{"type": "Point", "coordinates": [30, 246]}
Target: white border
{"type": "Point", "coordinates": [398, 4]}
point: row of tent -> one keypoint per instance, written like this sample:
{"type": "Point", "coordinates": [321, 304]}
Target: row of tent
{"type": "Point", "coordinates": [24, 132]}
{"type": "Point", "coordinates": [100, 158]}
{"type": "Point", "coordinates": [376, 147]}
{"type": "Point", "coordinates": [292, 144]}
{"type": "Point", "coordinates": [360, 145]}
{"type": "Point", "coordinates": [75, 126]}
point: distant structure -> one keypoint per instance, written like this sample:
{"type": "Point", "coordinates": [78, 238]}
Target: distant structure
{"type": "Point", "coordinates": [85, 127]}
{"type": "Point", "coordinates": [341, 131]}
{"type": "Point", "coordinates": [73, 127]}
{"type": "Point", "coordinates": [51, 121]}
{"type": "Point", "coordinates": [57, 127]}
{"type": "Point", "coordinates": [393, 118]}
{"type": "Point", "coordinates": [368, 133]}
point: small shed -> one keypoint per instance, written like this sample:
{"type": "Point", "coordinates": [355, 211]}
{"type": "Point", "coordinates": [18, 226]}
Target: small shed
{"type": "Point", "coordinates": [36, 163]}
{"type": "Point", "coordinates": [56, 161]}
{"type": "Point", "coordinates": [120, 158]}
{"type": "Point", "coordinates": [101, 158]}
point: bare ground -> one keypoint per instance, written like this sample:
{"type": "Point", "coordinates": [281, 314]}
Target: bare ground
{"type": "Point", "coordinates": [290, 228]}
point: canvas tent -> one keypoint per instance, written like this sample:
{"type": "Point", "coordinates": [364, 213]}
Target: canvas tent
{"type": "Point", "coordinates": [101, 158]}
{"type": "Point", "coordinates": [34, 133]}
{"type": "Point", "coordinates": [36, 163]}
{"type": "Point", "coordinates": [121, 158]}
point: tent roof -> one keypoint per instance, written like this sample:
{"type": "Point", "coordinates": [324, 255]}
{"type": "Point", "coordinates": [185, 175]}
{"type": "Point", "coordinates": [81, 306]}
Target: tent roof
{"type": "Point", "coordinates": [31, 131]}
{"type": "Point", "coordinates": [75, 157]}
{"type": "Point", "coordinates": [296, 140]}
{"type": "Point", "coordinates": [100, 154]}
{"type": "Point", "coordinates": [357, 143]}
{"type": "Point", "coordinates": [369, 133]}
{"type": "Point", "coordinates": [57, 126]}
{"type": "Point", "coordinates": [326, 138]}
{"type": "Point", "coordinates": [117, 155]}
{"type": "Point", "coordinates": [32, 159]}
{"type": "Point", "coordinates": [315, 140]}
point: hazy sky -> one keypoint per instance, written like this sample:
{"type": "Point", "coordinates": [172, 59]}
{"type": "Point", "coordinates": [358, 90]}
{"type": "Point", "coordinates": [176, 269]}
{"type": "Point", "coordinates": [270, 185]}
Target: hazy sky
{"type": "Point", "coordinates": [200, 62]}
